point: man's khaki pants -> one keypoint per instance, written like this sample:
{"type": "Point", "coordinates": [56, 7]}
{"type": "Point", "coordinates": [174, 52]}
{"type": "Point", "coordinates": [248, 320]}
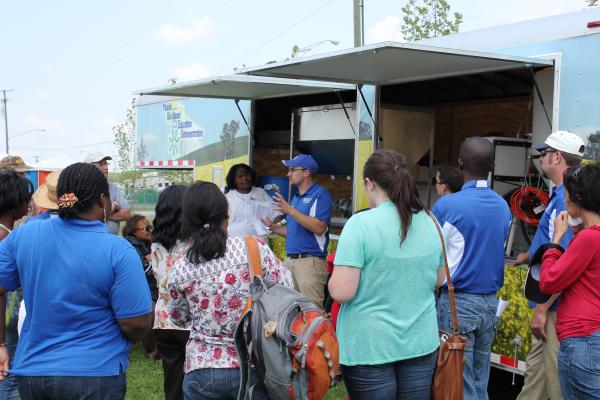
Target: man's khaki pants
{"type": "Point", "coordinates": [541, 374]}
{"type": "Point", "coordinates": [309, 275]}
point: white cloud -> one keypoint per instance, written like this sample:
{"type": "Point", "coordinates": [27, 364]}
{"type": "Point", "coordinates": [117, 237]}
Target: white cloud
{"type": "Point", "coordinates": [190, 72]}
{"type": "Point", "coordinates": [200, 28]}
{"type": "Point", "coordinates": [35, 121]}
{"type": "Point", "coordinates": [388, 29]}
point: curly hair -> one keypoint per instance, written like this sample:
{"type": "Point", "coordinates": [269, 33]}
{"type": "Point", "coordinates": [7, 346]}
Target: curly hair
{"type": "Point", "coordinates": [15, 191]}
{"type": "Point", "coordinates": [230, 179]}
{"type": "Point", "coordinates": [86, 182]}
{"type": "Point", "coordinates": [167, 217]}
{"type": "Point", "coordinates": [582, 185]}
{"type": "Point", "coordinates": [204, 209]}
{"type": "Point", "coordinates": [129, 228]}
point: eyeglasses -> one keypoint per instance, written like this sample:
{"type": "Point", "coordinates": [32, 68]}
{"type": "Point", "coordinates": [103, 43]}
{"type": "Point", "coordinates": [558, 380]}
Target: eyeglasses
{"type": "Point", "coordinates": [297, 169]}
{"type": "Point", "coordinates": [147, 228]}
{"type": "Point", "coordinates": [436, 182]}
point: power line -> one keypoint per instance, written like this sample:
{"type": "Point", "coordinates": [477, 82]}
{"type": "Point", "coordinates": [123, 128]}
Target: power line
{"type": "Point", "coordinates": [276, 36]}
{"type": "Point", "coordinates": [250, 28]}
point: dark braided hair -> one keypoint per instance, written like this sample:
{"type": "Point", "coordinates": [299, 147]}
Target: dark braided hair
{"type": "Point", "coordinates": [204, 209]}
{"type": "Point", "coordinates": [15, 190]}
{"type": "Point", "coordinates": [86, 182]}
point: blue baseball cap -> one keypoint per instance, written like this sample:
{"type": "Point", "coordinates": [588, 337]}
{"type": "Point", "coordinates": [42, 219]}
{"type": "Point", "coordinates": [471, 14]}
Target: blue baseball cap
{"type": "Point", "coordinates": [304, 161]}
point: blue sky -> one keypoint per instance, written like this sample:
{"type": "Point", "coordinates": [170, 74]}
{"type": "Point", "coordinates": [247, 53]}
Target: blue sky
{"type": "Point", "coordinates": [73, 65]}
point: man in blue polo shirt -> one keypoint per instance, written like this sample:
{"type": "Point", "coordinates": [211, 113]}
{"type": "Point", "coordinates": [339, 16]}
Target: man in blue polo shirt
{"type": "Point", "coordinates": [307, 228]}
{"type": "Point", "coordinates": [561, 150]}
{"type": "Point", "coordinates": [475, 222]}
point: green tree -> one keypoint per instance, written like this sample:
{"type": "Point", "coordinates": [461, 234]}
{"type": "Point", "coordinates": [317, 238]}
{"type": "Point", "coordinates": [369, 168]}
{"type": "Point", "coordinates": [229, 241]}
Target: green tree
{"type": "Point", "coordinates": [295, 51]}
{"type": "Point", "coordinates": [592, 3]}
{"type": "Point", "coordinates": [592, 149]}
{"type": "Point", "coordinates": [124, 140]}
{"type": "Point", "coordinates": [228, 138]}
{"type": "Point", "coordinates": [424, 19]}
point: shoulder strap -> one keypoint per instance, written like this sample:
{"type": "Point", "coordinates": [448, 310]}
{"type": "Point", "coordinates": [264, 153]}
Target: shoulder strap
{"type": "Point", "coordinates": [448, 280]}
{"type": "Point", "coordinates": [253, 257]}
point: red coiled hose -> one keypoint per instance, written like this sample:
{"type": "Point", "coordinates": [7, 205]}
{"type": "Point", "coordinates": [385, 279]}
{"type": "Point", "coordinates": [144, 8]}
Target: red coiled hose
{"type": "Point", "coordinates": [525, 200]}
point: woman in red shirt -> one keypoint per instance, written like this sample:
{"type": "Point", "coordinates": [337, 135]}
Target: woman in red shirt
{"type": "Point", "coordinates": [576, 273]}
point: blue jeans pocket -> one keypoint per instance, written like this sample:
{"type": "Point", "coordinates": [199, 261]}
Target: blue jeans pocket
{"type": "Point", "coordinates": [579, 367]}
{"type": "Point", "coordinates": [197, 382]}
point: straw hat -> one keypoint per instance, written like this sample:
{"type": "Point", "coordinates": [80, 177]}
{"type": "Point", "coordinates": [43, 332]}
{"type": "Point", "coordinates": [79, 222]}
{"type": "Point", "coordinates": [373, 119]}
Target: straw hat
{"type": "Point", "coordinates": [45, 196]}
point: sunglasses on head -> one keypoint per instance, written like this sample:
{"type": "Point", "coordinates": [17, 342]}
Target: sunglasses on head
{"type": "Point", "coordinates": [573, 172]}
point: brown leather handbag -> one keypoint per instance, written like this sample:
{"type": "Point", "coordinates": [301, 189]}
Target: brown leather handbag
{"type": "Point", "coordinates": [448, 381]}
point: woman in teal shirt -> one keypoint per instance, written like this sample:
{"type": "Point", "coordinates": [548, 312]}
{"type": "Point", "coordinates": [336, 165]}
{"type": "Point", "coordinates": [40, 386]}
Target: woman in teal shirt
{"type": "Point", "coordinates": [387, 266]}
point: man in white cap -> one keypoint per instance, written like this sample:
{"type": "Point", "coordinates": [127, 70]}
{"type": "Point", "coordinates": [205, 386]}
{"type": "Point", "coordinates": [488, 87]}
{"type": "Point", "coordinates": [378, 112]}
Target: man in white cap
{"type": "Point", "coordinates": [120, 206]}
{"type": "Point", "coordinates": [561, 150]}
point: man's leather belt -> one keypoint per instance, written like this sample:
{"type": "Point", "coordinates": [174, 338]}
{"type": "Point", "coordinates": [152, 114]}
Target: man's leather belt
{"type": "Point", "coordinates": [301, 255]}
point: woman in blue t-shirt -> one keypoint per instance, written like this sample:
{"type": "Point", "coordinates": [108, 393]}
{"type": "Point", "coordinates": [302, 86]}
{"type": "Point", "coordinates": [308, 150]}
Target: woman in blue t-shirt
{"type": "Point", "coordinates": [86, 296]}
{"type": "Point", "coordinates": [387, 266]}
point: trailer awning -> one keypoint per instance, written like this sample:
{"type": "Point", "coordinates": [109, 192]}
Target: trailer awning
{"type": "Point", "coordinates": [243, 87]}
{"type": "Point", "coordinates": [391, 62]}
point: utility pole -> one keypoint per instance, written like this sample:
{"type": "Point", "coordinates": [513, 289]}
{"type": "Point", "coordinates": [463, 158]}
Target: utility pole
{"type": "Point", "coordinates": [358, 12]}
{"type": "Point", "coordinates": [5, 116]}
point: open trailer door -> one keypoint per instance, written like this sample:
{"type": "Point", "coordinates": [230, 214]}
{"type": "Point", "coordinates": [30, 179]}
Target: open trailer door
{"type": "Point", "coordinates": [207, 125]}
{"type": "Point", "coordinates": [390, 71]}
{"type": "Point", "coordinates": [381, 65]}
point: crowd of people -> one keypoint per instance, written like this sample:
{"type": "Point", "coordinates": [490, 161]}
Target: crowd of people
{"type": "Point", "coordinates": [179, 283]}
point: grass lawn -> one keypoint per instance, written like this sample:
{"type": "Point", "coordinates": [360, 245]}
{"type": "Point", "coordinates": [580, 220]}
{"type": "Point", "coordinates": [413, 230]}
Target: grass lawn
{"type": "Point", "coordinates": [145, 379]}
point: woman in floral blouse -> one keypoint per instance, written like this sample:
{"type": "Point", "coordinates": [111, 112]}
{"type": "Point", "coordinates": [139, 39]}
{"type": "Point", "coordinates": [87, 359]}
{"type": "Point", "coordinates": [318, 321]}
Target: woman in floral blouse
{"type": "Point", "coordinates": [167, 248]}
{"type": "Point", "coordinates": [209, 288]}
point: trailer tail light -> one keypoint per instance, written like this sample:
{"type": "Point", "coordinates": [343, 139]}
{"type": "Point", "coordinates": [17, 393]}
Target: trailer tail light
{"type": "Point", "coordinates": [509, 361]}
{"type": "Point", "coordinates": [593, 24]}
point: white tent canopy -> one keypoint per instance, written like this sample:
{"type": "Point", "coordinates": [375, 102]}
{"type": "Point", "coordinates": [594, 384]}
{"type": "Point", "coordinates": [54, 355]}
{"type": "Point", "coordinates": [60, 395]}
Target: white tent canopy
{"type": "Point", "coordinates": [243, 87]}
{"type": "Point", "coordinates": [391, 62]}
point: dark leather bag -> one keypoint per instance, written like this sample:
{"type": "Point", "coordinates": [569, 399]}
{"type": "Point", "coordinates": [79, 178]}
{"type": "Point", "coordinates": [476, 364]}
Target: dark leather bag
{"type": "Point", "coordinates": [448, 381]}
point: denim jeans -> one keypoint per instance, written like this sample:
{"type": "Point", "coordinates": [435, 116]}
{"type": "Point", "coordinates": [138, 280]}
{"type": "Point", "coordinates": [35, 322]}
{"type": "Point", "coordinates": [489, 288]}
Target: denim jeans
{"type": "Point", "coordinates": [477, 321]}
{"type": "Point", "coordinates": [579, 367]}
{"type": "Point", "coordinates": [217, 383]}
{"type": "Point", "coordinates": [8, 386]}
{"type": "Point", "coordinates": [406, 379]}
{"type": "Point", "coordinates": [72, 387]}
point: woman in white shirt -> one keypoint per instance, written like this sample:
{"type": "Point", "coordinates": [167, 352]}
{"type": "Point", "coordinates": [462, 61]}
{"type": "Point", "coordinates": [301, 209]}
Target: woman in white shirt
{"type": "Point", "coordinates": [248, 203]}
